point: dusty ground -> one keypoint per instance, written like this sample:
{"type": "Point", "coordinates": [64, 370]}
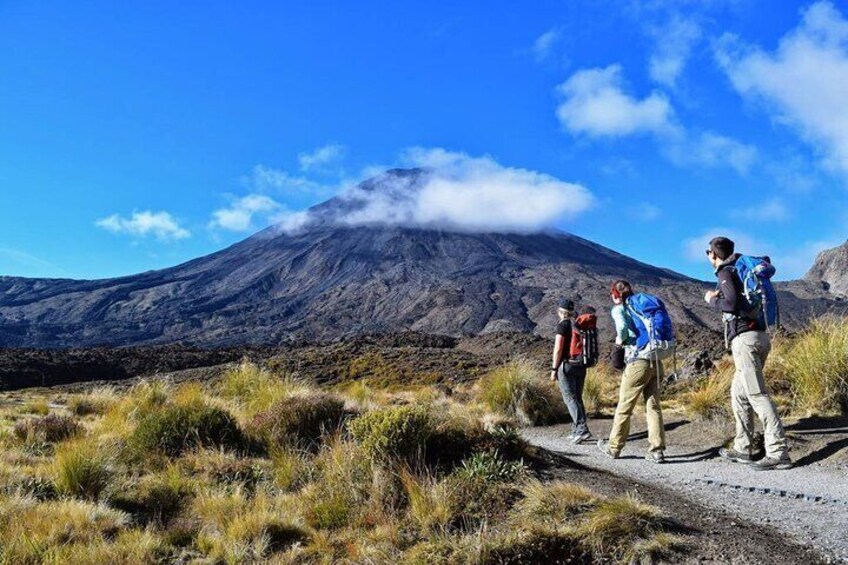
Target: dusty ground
{"type": "Point", "coordinates": [805, 508]}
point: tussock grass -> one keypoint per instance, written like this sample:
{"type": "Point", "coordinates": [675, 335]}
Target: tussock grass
{"type": "Point", "coordinates": [83, 469]}
{"type": "Point", "coordinates": [253, 388]}
{"type": "Point", "coordinates": [95, 402]}
{"type": "Point", "coordinates": [517, 391]}
{"type": "Point", "coordinates": [616, 525]}
{"type": "Point", "coordinates": [709, 398]}
{"type": "Point", "coordinates": [33, 532]}
{"type": "Point", "coordinates": [554, 503]}
{"type": "Point", "coordinates": [47, 429]}
{"type": "Point", "coordinates": [814, 366]}
{"type": "Point", "coordinates": [165, 473]}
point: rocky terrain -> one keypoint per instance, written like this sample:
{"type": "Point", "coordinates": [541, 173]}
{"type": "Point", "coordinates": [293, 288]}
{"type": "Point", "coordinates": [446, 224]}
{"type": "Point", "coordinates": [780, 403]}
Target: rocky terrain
{"type": "Point", "coordinates": [831, 270]}
{"type": "Point", "coordinates": [335, 278]}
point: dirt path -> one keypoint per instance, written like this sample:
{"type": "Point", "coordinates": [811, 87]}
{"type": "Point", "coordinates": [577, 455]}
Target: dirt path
{"type": "Point", "coordinates": [808, 504]}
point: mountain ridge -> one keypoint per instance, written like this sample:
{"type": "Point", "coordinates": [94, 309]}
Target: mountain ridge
{"type": "Point", "coordinates": [331, 278]}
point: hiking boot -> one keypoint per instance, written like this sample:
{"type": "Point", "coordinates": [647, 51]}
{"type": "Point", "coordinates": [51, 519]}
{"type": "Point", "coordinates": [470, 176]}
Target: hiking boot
{"type": "Point", "coordinates": [772, 464]}
{"type": "Point", "coordinates": [580, 438]}
{"type": "Point", "coordinates": [655, 456]}
{"type": "Point", "coordinates": [603, 445]}
{"type": "Point", "coordinates": [736, 456]}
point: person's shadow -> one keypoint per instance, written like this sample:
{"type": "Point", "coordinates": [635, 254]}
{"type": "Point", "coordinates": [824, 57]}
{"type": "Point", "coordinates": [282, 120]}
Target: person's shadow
{"type": "Point", "coordinates": [821, 426]}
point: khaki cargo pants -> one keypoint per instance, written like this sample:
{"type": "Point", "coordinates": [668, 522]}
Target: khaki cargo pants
{"type": "Point", "coordinates": [641, 379]}
{"type": "Point", "coordinates": [748, 395]}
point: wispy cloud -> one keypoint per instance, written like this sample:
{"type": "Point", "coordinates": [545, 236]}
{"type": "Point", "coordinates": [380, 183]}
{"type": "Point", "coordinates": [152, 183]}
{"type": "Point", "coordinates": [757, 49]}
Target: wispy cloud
{"type": "Point", "coordinates": [269, 179]}
{"type": "Point", "coordinates": [239, 216]}
{"type": "Point", "coordinates": [674, 42]}
{"type": "Point", "coordinates": [321, 157]}
{"type": "Point", "coordinates": [804, 81]}
{"type": "Point", "coordinates": [543, 44]}
{"type": "Point", "coordinates": [29, 261]}
{"type": "Point", "coordinates": [711, 150]}
{"type": "Point", "coordinates": [161, 225]}
{"type": "Point", "coordinates": [694, 247]}
{"type": "Point", "coordinates": [773, 210]}
{"type": "Point", "coordinates": [594, 102]}
{"type": "Point", "coordinates": [645, 212]}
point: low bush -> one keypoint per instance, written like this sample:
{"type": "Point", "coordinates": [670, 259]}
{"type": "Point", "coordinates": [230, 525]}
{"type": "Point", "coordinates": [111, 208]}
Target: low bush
{"type": "Point", "coordinates": [299, 421]}
{"type": "Point", "coordinates": [47, 429]}
{"type": "Point", "coordinates": [173, 429]}
{"type": "Point", "coordinates": [395, 433]}
{"type": "Point", "coordinates": [515, 390]}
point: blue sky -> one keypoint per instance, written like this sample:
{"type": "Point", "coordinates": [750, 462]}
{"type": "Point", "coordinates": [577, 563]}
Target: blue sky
{"type": "Point", "coordinates": [137, 137]}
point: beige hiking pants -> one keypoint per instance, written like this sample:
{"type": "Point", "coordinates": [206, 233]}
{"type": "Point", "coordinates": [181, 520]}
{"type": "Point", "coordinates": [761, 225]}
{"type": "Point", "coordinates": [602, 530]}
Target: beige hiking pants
{"type": "Point", "coordinates": [641, 379]}
{"type": "Point", "coordinates": [748, 395]}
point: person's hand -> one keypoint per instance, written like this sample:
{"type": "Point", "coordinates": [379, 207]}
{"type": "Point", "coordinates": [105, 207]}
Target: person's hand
{"type": "Point", "coordinates": [553, 376]}
{"type": "Point", "coordinates": [709, 295]}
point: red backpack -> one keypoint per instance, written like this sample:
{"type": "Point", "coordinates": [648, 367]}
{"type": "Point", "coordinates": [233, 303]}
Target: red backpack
{"type": "Point", "coordinates": [584, 341]}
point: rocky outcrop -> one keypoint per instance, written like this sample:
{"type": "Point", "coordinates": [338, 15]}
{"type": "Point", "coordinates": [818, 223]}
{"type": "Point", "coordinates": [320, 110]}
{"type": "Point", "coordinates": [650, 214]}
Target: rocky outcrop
{"type": "Point", "coordinates": [831, 270]}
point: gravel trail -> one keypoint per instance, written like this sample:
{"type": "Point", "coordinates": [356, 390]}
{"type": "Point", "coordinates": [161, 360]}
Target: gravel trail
{"type": "Point", "coordinates": [808, 503]}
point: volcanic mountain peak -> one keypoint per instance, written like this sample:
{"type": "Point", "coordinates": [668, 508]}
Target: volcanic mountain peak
{"type": "Point", "coordinates": [341, 275]}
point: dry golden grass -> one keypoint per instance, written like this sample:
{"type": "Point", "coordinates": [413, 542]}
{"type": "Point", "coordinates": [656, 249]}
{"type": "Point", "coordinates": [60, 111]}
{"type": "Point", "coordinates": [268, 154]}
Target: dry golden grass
{"type": "Point", "coordinates": [91, 498]}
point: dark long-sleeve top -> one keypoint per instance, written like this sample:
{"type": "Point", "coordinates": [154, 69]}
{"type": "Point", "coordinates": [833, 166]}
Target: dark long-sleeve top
{"type": "Point", "coordinates": [731, 301]}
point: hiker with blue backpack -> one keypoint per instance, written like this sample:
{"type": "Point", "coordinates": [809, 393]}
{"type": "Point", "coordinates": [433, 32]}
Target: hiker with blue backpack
{"type": "Point", "coordinates": [644, 338]}
{"type": "Point", "coordinates": [748, 303]}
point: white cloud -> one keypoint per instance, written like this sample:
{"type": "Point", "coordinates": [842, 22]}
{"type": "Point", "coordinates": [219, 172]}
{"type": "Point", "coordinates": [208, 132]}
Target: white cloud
{"type": "Point", "coordinates": [711, 150]}
{"type": "Point", "coordinates": [141, 224]}
{"type": "Point", "coordinates": [694, 247]}
{"type": "Point", "coordinates": [773, 210]}
{"type": "Point", "coordinates": [466, 193]}
{"type": "Point", "coordinates": [805, 80]}
{"type": "Point", "coordinates": [239, 215]}
{"type": "Point", "coordinates": [321, 157]}
{"type": "Point", "coordinates": [675, 41]}
{"type": "Point", "coordinates": [544, 43]}
{"type": "Point", "coordinates": [595, 103]}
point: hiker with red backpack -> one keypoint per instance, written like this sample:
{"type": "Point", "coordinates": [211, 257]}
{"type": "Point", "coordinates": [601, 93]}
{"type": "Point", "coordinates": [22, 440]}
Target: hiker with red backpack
{"type": "Point", "coordinates": [644, 338]}
{"type": "Point", "coordinates": [575, 350]}
{"type": "Point", "coordinates": [748, 303]}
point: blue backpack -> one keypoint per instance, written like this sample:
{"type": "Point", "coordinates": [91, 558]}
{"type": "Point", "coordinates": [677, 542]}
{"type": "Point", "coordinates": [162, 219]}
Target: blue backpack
{"type": "Point", "coordinates": [755, 274]}
{"type": "Point", "coordinates": [654, 330]}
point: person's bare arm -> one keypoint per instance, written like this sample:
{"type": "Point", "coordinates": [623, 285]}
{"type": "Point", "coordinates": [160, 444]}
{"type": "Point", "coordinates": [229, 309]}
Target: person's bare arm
{"type": "Point", "coordinates": [559, 348]}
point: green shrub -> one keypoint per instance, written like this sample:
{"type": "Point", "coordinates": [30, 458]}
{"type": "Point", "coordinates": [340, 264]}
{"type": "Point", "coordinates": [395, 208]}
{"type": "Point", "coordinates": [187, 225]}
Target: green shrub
{"type": "Point", "coordinates": [298, 421]}
{"type": "Point", "coordinates": [490, 466]}
{"type": "Point", "coordinates": [515, 390]}
{"type": "Point", "coordinates": [397, 433]}
{"type": "Point", "coordinates": [47, 429]}
{"type": "Point", "coordinates": [173, 429]}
